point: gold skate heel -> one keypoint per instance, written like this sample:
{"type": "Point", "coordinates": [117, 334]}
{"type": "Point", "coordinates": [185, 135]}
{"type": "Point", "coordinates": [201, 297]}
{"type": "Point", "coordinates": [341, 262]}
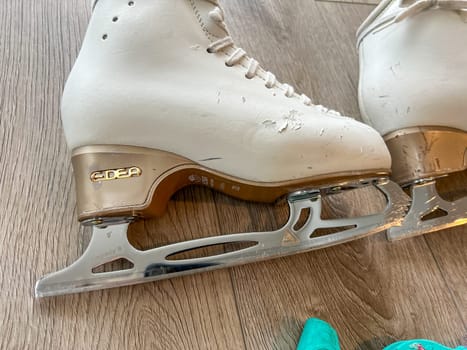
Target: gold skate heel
{"type": "Point", "coordinates": [421, 155]}
{"type": "Point", "coordinates": [128, 181]}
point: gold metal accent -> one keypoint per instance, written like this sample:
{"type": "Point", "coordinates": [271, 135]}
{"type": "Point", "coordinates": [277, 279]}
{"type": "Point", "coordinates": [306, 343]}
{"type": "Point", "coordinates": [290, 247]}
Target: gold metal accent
{"type": "Point", "coordinates": [116, 174]}
{"type": "Point", "coordinates": [164, 173]}
{"type": "Point", "coordinates": [426, 152]}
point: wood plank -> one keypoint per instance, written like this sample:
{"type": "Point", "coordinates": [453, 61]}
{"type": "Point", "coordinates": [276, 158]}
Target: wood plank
{"type": "Point", "coordinates": [449, 247]}
{"type": "Point", "coordinates": [39, 232]}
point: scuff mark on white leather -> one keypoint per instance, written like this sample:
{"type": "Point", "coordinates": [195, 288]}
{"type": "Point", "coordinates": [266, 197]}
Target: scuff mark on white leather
{"type": "Point", "coordinates": [195, 47]}
{"type": "Point", "coordinates": [269, 123]}
{"type": "Point", "coordinates": [244, 99]}
{"type": "Point", "coordinates": [287, 122]}
{"type": "Point", "coordinates": [392, 69]}
{"type": "Point", "coordinates": [321, 133]}
{"type": "Point", "coordinates": [210, 159]}
{"type": "Point", "coordinates": [283, 126]}
{"type": "Point", "coordinates": [293, 120]}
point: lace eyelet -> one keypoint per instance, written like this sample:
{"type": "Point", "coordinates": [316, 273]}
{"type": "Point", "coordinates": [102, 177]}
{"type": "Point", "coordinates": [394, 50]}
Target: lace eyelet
{"type": "Point", "coordinates": [208, 50]}
{"type": "Point", "coordinates": [249, 77]}
{"type": "Point", "coordinates": [228, 65]}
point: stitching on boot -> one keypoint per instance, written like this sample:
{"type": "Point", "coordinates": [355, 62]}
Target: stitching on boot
{"type": "Point", "coordinates": [201, 22]}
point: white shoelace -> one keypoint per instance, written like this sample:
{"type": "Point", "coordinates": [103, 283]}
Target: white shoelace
{"type": "Point", "coordinates": [253, 66]}
{"type": "Point", "coordinates": [422, 5]}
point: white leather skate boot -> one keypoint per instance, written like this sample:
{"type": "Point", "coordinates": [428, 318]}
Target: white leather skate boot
{"type": "Point", "coordinates": [413, 85]}
{"type": "Point", "coordinates": [160, 98]}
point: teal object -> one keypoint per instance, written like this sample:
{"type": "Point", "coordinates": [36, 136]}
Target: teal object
{"type": "Point", "coordinates": [318, 335]}
{"type": "Point", "coordinates": [420, 344]}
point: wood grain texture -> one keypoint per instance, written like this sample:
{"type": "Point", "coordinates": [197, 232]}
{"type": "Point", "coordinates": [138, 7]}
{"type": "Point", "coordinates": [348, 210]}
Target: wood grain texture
{"type": "Point", "coordinates": [372, 291]}
{"type": "Point", "coordinates": [450, 247]}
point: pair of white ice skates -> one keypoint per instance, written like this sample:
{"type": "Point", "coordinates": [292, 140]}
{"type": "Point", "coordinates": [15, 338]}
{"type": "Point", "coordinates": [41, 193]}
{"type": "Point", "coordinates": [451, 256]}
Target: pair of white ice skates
{"type": "Point", "coordinates": [160, 98]}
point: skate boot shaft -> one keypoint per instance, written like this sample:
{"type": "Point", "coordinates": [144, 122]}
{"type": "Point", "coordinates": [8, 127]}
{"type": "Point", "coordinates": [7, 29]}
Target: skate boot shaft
{"type": "Point", "coordinates": [412, 65]}
{"type": "Point", "coordinates": [168, 77]}
{"type": "Point", "coordinates": [412, 90]}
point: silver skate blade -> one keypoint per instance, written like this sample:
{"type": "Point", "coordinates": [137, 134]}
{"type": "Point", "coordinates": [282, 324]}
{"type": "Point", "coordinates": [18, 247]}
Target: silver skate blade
{"type": "Point", "coordinates": [111, 243]}
{"type": "Point", "coordinates": [426, 200]}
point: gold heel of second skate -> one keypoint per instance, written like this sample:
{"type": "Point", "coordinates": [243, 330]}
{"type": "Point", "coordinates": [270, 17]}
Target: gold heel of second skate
{"type": "Point", "coordinates": [421, 155]}
{"type": "Point", "coordinates": [118, 184]}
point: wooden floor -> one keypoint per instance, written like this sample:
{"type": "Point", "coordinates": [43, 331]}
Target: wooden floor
{"type": "Point", "coordinates": [372, 291]}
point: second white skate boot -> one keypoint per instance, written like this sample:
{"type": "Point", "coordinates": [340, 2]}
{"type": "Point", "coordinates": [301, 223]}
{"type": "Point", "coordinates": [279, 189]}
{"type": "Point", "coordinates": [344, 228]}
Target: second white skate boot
{"type": "Point", "coordinates": [161, 98]}
{"type": "Point", "coordinates": [413, 85]}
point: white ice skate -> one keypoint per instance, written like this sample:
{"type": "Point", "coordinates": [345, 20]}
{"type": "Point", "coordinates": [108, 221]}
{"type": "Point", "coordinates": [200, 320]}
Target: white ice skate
{"type": "Point", "coordinates": [413, 86]}
{"type": "Point", "coordinates": [160, 98]}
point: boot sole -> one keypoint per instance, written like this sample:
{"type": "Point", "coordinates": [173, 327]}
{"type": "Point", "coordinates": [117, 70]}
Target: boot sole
{"type": "Point", "coordinates": [129, 181]}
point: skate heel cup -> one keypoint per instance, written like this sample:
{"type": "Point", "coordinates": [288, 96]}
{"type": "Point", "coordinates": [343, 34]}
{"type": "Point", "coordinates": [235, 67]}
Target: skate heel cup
{"type": "Point", "coordinates": [420, 155]}
{"type": "Point", "coordinates": [426, 152]}
{"type": "Point", "coordinates": [135, 181]}
{"type": "Point", "coordinates": [109, 240]}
